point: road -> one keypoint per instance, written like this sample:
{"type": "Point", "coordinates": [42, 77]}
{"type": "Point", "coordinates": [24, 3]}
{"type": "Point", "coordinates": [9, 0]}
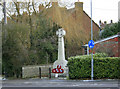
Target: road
{"type": "Point", "coordinates": [59, 83]}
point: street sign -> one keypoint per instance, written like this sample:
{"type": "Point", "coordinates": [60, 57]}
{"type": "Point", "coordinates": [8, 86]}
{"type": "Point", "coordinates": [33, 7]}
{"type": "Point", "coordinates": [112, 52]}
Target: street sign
{"type": "Point", "coordinates": [91, 44]}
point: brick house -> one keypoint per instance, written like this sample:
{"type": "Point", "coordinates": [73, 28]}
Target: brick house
{"type": "Point", "coordinates": [77, 24]}
{"type": "Point", "coordinates": [109, 45]}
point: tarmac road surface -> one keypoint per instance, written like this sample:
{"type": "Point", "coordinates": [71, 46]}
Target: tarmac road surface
{"type": "Point", "coordinates": [60, 83]}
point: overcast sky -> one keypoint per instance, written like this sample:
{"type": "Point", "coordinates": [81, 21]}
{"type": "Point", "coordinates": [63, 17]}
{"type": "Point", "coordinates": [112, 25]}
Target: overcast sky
{"type": "Point", "coordinates": [104, 10]}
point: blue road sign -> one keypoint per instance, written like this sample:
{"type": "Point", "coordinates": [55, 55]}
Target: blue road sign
{"type": "Point", "coordinates": [91, 44]}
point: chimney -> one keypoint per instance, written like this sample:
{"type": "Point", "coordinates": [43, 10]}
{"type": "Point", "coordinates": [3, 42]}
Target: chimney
{"type": "Point", "coordinates": [79, 5]}
{"type": "Point", "coordinates": [54, 3]}
{"type": "Point", "coordinates": [100, 23]}
{"type": "Point", "coordinates": [41, 7]}
{"type": "Point", "coordinates": [111, 21]}
{"type": "Point", "coordinates": [79, 13]}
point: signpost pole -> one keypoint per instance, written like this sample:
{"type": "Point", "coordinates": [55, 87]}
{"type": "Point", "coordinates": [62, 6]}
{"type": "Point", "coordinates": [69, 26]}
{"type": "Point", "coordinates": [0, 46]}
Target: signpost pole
{"type": "Point", "coordinates": [91, 39]}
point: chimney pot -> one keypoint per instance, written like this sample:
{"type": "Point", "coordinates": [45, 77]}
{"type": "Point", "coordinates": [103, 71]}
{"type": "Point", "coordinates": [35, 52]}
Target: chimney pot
{"type": "Point", "coordinates": [100, 21]}
{"type": "Point", "coordinates": [54, 2]}
{"type": "Point", "coordinates": [78, 5]}
{"type": "Point", "coordinates": [105, 22]}
{"type": "Point", "coordinates": [111, 21]}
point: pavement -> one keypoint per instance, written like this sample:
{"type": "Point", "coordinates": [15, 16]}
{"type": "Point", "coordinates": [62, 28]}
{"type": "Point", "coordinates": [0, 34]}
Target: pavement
{"type": "Point", "coordinates": [36, 82]}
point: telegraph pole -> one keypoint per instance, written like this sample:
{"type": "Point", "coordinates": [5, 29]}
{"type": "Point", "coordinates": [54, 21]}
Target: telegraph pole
{"type": "Point", "coordinates": [5, 17]}
{"type": "Point", "coordinates": [4, 11]}
{"type": "Point", "coordinates": [0, 52]}
{"type": "Point", "coordinates": [5, 23]}
{"type": "Point", "coordinates": [0, 49]}
{"type": "Point", "coordinates": [91, 39]}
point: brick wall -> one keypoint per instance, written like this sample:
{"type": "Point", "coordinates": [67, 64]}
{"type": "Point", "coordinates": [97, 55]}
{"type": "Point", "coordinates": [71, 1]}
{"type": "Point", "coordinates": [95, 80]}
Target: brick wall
{"type": "Point", "coordinates": [112, 47]}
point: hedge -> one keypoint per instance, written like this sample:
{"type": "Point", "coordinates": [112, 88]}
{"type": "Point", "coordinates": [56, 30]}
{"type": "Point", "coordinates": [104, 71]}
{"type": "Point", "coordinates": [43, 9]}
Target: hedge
{"type": "Point", "coordinates": [104, 67]}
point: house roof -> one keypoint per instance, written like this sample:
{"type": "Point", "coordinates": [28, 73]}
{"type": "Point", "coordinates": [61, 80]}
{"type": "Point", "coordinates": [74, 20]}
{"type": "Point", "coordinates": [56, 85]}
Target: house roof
{"type": "Point", "coordinates": [92, 20]}
{"type": "Point", "coordinates": [73, 10]}
{"type": "Point", "coordinates": [105, 39]}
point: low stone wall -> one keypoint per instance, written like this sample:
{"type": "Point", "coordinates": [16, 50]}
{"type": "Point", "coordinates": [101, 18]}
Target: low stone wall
{"type": "Point", "coordinates": [33, 71]}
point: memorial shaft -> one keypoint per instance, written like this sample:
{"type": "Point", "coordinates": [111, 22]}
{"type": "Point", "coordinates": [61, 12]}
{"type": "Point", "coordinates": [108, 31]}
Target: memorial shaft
{"type": "Point", "coordinates": [61, 51]}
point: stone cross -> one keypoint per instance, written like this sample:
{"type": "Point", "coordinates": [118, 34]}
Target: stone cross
{"type": "Point", "coordinates": [60, 33]}
{"type": "Point", "coordinates": [61, 50]}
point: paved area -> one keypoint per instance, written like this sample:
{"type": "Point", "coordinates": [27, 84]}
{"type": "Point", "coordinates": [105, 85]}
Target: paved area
{"type": "Point", "coordinates": [59, 83]}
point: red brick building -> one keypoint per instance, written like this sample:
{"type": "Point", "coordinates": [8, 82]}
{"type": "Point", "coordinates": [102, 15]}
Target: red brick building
{"type": "Point", "coordinates": [109, 45]}
{"type": "Point", "coordinates": [77, 24]}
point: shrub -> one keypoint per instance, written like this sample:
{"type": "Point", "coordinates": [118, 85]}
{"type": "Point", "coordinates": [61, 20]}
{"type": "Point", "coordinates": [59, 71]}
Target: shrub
{"type": "Point", "coordinates": [104, 67]}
